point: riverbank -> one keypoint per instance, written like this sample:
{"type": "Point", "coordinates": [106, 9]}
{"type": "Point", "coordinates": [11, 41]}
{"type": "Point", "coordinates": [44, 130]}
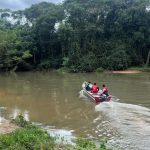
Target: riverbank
{"type": "Point", "coordinates": [7, 127]}
{"type": "Point", "coordinates": [131, 70]}
{"type": "Point", "coordinates": [127, 72]}
{"type": "Point", "coordinates": [29, 136]}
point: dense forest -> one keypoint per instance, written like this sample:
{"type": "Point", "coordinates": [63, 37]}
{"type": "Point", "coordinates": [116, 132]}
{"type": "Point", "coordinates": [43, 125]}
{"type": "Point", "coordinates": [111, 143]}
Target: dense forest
{"type": "Point", "coordinates": [79, 35]}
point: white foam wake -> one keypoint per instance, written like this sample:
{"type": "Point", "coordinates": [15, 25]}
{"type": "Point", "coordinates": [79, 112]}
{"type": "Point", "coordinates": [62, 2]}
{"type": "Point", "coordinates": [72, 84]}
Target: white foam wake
{"type": "Point", "coordinates": [132, 121]}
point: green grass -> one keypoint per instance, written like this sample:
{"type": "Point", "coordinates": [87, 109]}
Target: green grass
{"type": "Point", "coordinates": [31, 137]}
{"type": "Point", "coordinates": [99, 70]}
{"type": "Point", "coordinates": [28, 138]}
{"type": "Point", "coordinates": [87, 144]}
{"type": "Point", "coordinates": [143, 69]}
{"type": "Point", "coordinates": [64, 70]}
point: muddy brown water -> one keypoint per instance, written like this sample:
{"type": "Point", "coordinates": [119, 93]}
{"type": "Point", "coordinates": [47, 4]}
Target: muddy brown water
{"type": "Point", "coordinates": [55, 100]}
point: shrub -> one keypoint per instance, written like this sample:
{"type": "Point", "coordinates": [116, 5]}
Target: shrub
{"type": "Point", "coordinates": [20, 121]}
{"type": "Point", "coordinates": [49, 64]}
{"type": "Point", "coordinates": [29, 138]}
{"type": "Point", "coordinates": [88, 62]}
{"type": "Point", "coordinates": [146, 69]}
{"type": "Point", "coordinates": [85, 143]}
{"type": "Point", "coordinates": [100, 70]}
{"type": "Point", "coordinates": [65, 62]}
{"type": "Point", "coordinates": [117, 61]}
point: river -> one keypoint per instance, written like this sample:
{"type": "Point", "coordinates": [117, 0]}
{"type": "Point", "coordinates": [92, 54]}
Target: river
{"type": "Point", "coordinates": [54, 100]}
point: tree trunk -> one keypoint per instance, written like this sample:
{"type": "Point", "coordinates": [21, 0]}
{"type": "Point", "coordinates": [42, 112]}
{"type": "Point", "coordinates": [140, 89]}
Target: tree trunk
{"type": "Point", "coordinates": [148, 58]}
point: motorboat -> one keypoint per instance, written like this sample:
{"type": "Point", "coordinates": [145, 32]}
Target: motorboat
{"type": "Point", "coordinates": [96, 97]}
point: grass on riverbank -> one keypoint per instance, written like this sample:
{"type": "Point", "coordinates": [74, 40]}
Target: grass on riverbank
{"type": "Point", "coordinates": [136, 69]}
{"type": "Point", "coordinates": [142, 69]}
{"type": "Point", "coordinates": [101, 70]}
{"type": "Point", "coordinates": [31, 137]}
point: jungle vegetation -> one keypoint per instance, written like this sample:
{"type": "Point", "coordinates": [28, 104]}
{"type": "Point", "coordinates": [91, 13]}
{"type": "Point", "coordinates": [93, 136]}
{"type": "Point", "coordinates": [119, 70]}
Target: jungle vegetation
{"type": "Point", "coordinates": [31, 137]}
{"type": "Point", "coordinates": [79, 35]}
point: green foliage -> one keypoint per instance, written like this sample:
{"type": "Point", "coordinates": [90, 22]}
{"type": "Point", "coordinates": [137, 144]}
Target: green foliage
{"type": "Point", "coordinates": [103, 144]}
{"type": "Point", "coordinates": [117, 61]}
{"type": "Point", "coordinates": [12, 50]}
{"type": "Point", "coordinates": [34, 138]}
{"type": "Point", "coordinates": [29, 138]}
{"type": "Point", "coordinates": [20, 121]}
{"type": "Point", "coordinates": [36, 10]}
{"type": "Point", "coordinates": [26, 55]}
{"type": "Point", "coordinates": [88, 62]}
{"type": "Point", "coordinates": [78, 35]}
{"type": "Point", "coordinates": [143, 69]}
{"type": "Point", "coordinates": [99, 70]}
{"type": "Point", "coordinates": [85, 144]}
{"type": "Point", "coordinates": [49, 64]}
{"type": "Point", "coordinates": [44, 65]}
{"type": "Point", "coordinates": [65, 62]}
{"type": "Point", "coordinates": [146, 69]}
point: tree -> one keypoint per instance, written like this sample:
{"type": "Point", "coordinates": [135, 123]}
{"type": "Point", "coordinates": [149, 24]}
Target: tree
{"type": "Point", "coordinates": [148, 58]}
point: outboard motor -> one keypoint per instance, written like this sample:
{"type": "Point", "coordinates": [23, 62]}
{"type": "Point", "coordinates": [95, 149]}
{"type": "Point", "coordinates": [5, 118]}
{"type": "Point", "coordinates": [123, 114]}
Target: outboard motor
{"type": "Point", "coordinates": [104, 98]}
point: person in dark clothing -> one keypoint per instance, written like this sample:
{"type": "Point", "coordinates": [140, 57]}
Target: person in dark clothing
{"type": "Point", "coordinates": [89, 86]}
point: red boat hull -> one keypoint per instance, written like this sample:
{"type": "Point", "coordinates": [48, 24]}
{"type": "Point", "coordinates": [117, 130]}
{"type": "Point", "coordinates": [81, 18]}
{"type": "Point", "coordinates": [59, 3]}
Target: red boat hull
{"type": "Point", "coordinates": [95, 96]}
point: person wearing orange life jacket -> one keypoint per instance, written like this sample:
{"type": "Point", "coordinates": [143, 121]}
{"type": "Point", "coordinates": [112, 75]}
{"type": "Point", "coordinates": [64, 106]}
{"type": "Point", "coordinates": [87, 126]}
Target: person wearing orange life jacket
{"type": "Point", "coordinates": [95, 88]}
{"type": "Point", "coordinates": [105, 90]}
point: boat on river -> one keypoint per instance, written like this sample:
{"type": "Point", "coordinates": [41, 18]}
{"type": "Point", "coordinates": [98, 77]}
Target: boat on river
{"type": "Point", "coordinates": [96, 97]}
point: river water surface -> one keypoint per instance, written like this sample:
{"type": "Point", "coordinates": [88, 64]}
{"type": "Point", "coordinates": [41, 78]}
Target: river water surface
{"type": "Point", "coordinates": [55, 101]}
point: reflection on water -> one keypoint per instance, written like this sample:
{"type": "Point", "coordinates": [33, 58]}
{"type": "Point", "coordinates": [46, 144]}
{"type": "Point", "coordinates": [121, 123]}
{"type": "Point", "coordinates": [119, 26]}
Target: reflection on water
{"type": "Point", "coordinates": [53, 99]}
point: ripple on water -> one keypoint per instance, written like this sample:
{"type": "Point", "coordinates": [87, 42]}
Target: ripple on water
{"type": "Point", "coordinates": [131, 121]}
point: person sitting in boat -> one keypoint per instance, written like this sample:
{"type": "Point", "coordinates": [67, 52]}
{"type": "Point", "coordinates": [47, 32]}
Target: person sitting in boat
{"type": "Point", "coordinates": [95, 88]}
{"type": "Point", "coordinates": [104, 94]}
{"type": "Point", "coordinates": [89, 86]}
{"type": "Point", "coordinates": [104, 90]}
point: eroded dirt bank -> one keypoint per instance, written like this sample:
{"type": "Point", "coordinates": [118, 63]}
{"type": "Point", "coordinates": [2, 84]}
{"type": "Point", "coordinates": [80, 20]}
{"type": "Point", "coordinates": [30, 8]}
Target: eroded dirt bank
{"type": "Point", "coordinates": [6, 126]}
{"type": "Point", "coordinates": [127, 72]}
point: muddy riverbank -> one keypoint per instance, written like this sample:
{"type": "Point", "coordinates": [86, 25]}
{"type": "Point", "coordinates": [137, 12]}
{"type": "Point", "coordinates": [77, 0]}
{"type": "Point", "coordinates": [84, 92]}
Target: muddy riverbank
{"type": "Point", "coordinates": [6, 126]}
{"type": "Point", "coordinates": [127, 72]}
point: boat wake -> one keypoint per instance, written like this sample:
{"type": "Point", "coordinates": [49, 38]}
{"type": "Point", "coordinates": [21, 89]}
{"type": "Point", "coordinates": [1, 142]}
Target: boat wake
{"type": "Point", "coordinates": [81, 94]}
{"type": "Point", "coordinates": [60, 135]}
{"type": "Point", "coordinates": [131, 121]}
